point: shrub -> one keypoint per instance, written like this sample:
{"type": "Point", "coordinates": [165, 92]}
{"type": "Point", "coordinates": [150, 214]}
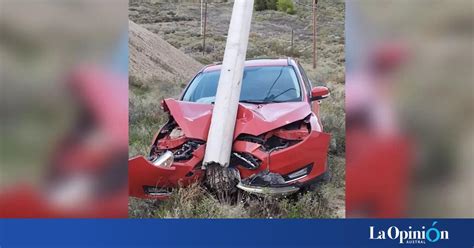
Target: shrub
{"type": "Point", "coordinates": [286, 6]}
{"type": "Point", "coordinates": [265, 4]}
{"type": "Point", "coordinates": [260, 5]}
{"type": "Point", "coordinates": [272, 4]}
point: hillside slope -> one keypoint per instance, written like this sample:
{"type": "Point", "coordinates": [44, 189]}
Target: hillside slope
{"type": "Point", "coordinates": [152, 58]}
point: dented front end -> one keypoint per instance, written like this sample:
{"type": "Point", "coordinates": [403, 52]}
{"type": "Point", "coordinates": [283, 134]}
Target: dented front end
{"type": "Point", "coordinates": [278, 147]}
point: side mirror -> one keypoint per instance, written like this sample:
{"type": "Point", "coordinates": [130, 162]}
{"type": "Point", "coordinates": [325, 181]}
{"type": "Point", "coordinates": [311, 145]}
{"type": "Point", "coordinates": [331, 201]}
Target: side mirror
{"type": "Point", "coordinates": [319, 93]}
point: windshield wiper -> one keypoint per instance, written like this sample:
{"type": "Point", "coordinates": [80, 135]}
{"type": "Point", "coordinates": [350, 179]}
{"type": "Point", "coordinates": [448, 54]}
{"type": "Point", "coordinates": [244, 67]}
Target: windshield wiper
{"type": "Point", "coordinates": [254, 101]}
{"type": "Point", "coordinates": [261, 102]}
{"type": "Point", "coordinates": [272, 97]}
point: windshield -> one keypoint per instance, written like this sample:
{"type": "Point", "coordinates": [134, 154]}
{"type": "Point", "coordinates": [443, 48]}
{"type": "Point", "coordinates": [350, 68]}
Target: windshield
{"type": "Point", "coordinates": [260, 85]}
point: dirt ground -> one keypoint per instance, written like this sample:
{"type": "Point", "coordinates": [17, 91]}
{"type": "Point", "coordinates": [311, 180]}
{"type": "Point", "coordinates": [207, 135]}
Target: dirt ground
{"type": "Point", "coordinates": [179, 25]}
{"type": "Point", "coordinates": [152, 57]}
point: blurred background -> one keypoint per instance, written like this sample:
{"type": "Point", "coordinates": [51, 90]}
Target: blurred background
{"type": "Point", "coordinates": [409, 108]}
{"type": "Point", "coordinates": [64, 134]}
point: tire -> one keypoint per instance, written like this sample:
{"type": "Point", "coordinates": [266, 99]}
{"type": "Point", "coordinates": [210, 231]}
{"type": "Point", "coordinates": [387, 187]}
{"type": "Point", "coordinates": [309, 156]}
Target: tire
{"type": "Point", "coordinates": [222, 181]}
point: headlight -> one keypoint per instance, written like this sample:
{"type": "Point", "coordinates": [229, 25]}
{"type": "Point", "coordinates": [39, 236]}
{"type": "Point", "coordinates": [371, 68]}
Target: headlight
{"type": "Point", "coordinates": [176, 133]}
{"type": "Point", "coordinates": [165, 160]}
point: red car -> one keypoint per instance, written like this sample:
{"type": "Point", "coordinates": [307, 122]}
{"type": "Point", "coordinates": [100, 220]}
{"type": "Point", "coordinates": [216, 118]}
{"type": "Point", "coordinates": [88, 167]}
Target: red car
{"type": "Point", "coordinates": [279, 143]}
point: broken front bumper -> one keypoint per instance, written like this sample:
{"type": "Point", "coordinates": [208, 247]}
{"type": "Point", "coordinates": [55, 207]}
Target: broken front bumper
{"type": "Point", "coordinates": [310, 152]}
{"type": "Point", "coordinates": [149, 180]}
{"type": "Point", "coordinates": [154, 180]}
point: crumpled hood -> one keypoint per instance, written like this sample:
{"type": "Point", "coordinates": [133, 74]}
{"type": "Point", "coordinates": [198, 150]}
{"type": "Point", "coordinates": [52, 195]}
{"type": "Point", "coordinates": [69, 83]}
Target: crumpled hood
{"type": "Point", "coordinates": [195, 118]}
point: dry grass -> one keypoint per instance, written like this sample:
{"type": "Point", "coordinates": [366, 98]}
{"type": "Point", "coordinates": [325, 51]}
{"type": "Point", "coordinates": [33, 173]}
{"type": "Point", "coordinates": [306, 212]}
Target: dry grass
{"type": "Point", "coordinates": [195, 201]}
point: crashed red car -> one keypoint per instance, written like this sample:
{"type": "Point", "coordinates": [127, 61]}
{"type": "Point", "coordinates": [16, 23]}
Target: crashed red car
{"type": "Point", "coordinates": [279, 144]}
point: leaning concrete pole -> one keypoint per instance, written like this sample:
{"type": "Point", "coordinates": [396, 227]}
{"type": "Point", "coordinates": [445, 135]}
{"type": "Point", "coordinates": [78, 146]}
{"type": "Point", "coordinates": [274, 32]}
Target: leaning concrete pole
{"type": "Point", "coordinates": [220, 137]}
{"type": "Point", "coordinates": [202, 16]}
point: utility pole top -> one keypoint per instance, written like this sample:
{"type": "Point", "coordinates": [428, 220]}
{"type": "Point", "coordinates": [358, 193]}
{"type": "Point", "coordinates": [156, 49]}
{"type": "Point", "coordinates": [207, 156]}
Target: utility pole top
{"type": "Point", "coordinates": [314, 33]}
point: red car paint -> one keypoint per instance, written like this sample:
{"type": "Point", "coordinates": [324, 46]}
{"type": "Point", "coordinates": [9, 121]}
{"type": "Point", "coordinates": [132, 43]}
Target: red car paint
{"type": "Point", "coordinates": [379, 155]}
{"type": "Point", "coordinates": [99, 157]}
{"type": "Point", "coordinates": [309, 144]}
{"type": "Point", "coordinates": [377, 175]}
{"type": "Point", "coordinates": [252, 63]}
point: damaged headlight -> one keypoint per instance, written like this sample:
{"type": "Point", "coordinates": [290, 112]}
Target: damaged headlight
{"type": "Point", "coordinates": [282, 137]}
{"type": "Point", "coordinates": [246, 160]}
{"type": "Point", "coordinates": [165, 160]}
{"type": "Point", "coordinates": [176, 133]}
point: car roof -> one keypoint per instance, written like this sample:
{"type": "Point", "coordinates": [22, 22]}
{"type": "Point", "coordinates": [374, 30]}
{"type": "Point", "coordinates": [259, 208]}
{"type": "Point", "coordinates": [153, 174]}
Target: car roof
{"type": "Point", "coordinates": [252, 62]}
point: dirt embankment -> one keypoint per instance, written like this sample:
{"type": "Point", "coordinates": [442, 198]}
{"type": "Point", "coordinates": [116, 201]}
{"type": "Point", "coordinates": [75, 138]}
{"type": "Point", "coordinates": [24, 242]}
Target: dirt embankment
{"type": "Point", "coordinates": [152, 58]}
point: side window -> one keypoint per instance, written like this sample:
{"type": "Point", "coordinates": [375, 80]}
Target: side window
{"type": "Point", "coordinates": [307, 83]}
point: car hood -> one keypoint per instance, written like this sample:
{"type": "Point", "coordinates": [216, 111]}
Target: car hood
{"type": "Point", "coordinates": [255, 119]}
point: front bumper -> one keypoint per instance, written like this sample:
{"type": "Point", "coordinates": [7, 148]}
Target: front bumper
{"type": "Point", "coordinates": [285, 190]}
{"type": "Point", "coordinates": [147, 180]}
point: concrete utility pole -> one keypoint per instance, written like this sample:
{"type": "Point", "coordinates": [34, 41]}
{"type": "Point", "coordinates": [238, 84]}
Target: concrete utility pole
{"type": "Point", "coordinates": [315, 2]}
{"type": "Point", "coordinates": [202, 16]}
{"type": "Point", "coordinates": [221, 132]}
{"type": "Point", "coordinates": [292, 49]}
{"type": "Point", "coordinates": [205, 24]}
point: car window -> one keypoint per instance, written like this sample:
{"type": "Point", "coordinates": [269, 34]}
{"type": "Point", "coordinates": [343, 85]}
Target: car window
{"type": "Point", "coordinates": [260, 84]}
{"type": "Point", "coordinates": [306, 80]}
